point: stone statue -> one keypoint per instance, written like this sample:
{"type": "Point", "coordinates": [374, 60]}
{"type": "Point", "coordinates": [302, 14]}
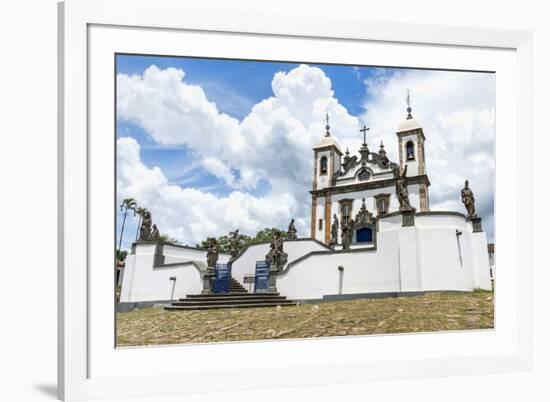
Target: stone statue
{"type": "Point", "coordinates": [401, 188]}
{"type": "Point", "coordinates": [155, 234]}
{"type": "Point", "coordinates": [468, 200]}
{"type": "Point", "coordinates": [334, 230]}
{"type": "Point", "coordinates": [346, 236]}
{"type": "Point", "coordinates": [212, 253]}
{"type": "Point", "coordinates": [291, 233]}
{"type": "Point", "coordinates": [234, 244]}
{"type": "Point", "coordinates": [146, 225]}
{"type": "Point", "coordinates": [277, 257]}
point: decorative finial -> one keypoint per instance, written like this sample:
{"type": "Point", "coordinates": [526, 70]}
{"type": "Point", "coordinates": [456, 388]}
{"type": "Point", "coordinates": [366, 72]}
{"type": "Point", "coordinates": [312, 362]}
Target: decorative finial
{"type": "Point", "coordinates": [409, 109]}
{"type": "Point", "coordinates": [327, 126]}
{"type": "Point", "coordinates": [382, 151]}
{"type": "Point", "coordinates": [364, 131]}
{"type": "Point", "coordinates": [347, 151]}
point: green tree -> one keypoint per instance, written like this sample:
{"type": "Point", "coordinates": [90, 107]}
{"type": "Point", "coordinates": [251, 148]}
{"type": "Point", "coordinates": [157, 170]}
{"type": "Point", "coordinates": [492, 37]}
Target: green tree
{"type": "Point", "coordinates": [128, 203]}
{"type": "Point", "coordinates": [266, 235]}
{"type": "Point", "coordinates": [263, 236]}
{"type": "Point", "coordinates": [164, 238]}
{"type": "Point", "coordinates": [121, 255]}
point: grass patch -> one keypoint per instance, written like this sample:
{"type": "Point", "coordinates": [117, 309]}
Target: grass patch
{"type": "Point", "coordinates": [431, 312]}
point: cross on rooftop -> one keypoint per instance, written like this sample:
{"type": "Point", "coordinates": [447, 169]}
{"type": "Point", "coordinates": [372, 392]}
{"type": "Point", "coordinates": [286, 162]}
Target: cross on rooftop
{"type": "Point", "coordinates": [327, 126]}
{"type": "Point", "coordinates": [364, 131]}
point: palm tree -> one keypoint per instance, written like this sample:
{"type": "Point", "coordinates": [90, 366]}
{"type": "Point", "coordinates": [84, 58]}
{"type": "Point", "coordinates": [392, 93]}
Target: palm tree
{"type": "Point", "coordinates": [128, 203]}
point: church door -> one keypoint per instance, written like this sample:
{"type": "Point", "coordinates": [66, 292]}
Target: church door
{"type": "Point", "coordinates": [364, 235]}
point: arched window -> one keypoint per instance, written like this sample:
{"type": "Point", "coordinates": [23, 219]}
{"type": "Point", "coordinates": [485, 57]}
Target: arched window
{"type": "Point", "coordinates": [324, 165]}
{"type": "Point", "coordinates": [410, 150]}
{"type": "Point", "coordinates": [363, 175]}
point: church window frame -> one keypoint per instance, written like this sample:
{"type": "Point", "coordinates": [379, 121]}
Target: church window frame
{"type": "Point", "coordinates": [364, 175]}
{"type": "Point", "coordinates": [382, 204]}
{"type": "Point", "coordinates": [346, 209]}
{"type": "Point", "coordinates": [410, 151]}
{"type": "Point", "coordinates": [323, 166]}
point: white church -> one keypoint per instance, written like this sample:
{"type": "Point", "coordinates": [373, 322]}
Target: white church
{"type": "Point", "coordinates": [367, 239]}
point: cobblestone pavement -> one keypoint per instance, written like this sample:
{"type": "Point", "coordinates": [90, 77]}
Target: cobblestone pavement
{"type": "Point", "coordinates": [431, 312]}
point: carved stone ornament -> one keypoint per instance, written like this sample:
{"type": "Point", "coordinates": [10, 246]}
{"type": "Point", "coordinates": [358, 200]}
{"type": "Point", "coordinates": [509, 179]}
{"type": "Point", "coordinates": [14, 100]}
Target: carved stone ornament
{"type": "Point", "coordinates": [291, 233]}
{"type": "Point", "coordinates": [147, 231]}
{"type": "Point", "coordinates": [468, 200]}
{"type": "Point", "coordinates": [364, 218]}
{"type": "Point", "coordinates": [334, 231]}
{"type": "Point", "coordinates": [346, 235]}
{"type": "Point", "coordinates": [401, 190]}
{"type": "Point", "coordinates": [276, 257]}
{"type": "Point", "coordinates": [212, 254]}
{"type": "Point", "coordinates": [234, 244]}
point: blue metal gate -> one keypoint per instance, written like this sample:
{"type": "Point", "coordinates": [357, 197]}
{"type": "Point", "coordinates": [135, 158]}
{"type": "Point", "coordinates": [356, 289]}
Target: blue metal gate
{"type": "Point", "coordinates": [222, 279]}
{"type": "Point", "coordinates": [261, 283]}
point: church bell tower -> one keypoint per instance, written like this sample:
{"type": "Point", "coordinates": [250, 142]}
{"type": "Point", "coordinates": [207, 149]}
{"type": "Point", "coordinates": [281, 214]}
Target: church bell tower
{"type": "Point", "coordinates": [327, 160]}
{"type": "Point", "coordinates": [411, 139]}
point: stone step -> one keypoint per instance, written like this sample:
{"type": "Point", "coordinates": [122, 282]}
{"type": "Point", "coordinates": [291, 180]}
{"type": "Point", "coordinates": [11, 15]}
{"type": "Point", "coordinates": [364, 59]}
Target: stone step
{"type": "Point", "coordinates": [233, 300]}
{"type": "Point", "coordinates": [242, 297]}
{"type": "Point", "coordinates": [230, 295]}
{"type": "Point", "coordinates": [193, 302]}
{"type": "Point", "coordinates": [227, 306]}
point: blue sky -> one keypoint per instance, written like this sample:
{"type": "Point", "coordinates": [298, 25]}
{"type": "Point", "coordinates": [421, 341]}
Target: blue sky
{"type": "Point", "coordinates": [253, 95]}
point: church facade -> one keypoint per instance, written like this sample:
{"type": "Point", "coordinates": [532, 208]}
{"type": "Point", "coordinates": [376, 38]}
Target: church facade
{"type": "Point", "coordinates": [341, 182]}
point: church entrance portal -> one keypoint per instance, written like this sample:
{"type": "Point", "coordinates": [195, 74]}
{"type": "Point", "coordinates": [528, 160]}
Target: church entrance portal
{"type": "Point", "coordinates": [364, 235]}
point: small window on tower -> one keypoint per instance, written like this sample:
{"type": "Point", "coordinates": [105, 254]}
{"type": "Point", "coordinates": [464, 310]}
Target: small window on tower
{"type": "Point", "coordinates": [320, 224]}
{"type": "Point", "coordinates": [324, 163]}
{"type": "Point", "coordinates": [410, 150]}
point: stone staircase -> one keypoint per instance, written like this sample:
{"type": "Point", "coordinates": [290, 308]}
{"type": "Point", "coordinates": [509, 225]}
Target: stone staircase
{"type": "Point", "coordinates": [237, 297]}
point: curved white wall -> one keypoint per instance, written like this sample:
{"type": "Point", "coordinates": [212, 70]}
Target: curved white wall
{"type": "Point", "coordinates": [364, 272]}
{"type": "Point", "coordinates": [429, 256]}
{"type": "Point", "coordinates": [246, 263]}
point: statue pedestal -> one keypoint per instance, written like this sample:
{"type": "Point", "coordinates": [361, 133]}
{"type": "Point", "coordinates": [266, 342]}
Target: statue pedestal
{"type": "Point", "coordinates": [408, 217]}
{"type": "Point", "coordinates": [273, 280]}
{"type": "Point", "coordinates": [476, 224]}
{"type": "Point", "coordinates": [208, 280]}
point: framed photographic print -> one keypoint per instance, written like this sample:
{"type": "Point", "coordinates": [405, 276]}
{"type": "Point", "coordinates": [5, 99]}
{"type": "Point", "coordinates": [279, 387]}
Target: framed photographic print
{"type": "Point", "coordinates": [243, 201]}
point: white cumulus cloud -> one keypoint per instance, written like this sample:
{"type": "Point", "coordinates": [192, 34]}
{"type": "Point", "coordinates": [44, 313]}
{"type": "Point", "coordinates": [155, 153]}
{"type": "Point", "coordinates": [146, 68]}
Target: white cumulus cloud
{"type": "Point", "coordinates": [273, 143]}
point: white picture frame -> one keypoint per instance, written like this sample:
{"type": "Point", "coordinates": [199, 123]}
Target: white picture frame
{"type": "Point", "coordinates": [88, 365]}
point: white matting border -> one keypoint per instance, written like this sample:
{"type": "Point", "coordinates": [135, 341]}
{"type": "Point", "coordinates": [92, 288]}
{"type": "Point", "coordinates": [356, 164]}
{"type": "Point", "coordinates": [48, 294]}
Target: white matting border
{"type": "Point", "coordinates": [89, 365]}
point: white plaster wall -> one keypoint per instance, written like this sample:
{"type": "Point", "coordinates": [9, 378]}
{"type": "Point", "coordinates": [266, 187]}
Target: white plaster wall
{"type": "Point", "coordinates": [364, 272]}
{"type": "Point", "coordinates": [390, 223]}
{"type": "Point", "coordinates": [443, 267]}
{"type": "Point", "coordinates": [246, 263]}
{"type": "Point", "coordinates": [426, 257]}
{"type": "Point", "coordinates": [144, 282]}
{"type": "Point", "coordinates": [480, 255]}
{"type": "Point", "coordinates": [175, 254]}
{"type": "Point", "coordinates": [320, 214]}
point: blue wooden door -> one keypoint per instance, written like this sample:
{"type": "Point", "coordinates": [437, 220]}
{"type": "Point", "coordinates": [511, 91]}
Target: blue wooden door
{"type": "Point", "coordinates": [364, 235]}
{"type": "Point", "coordinates": [222, 279]}
{"type": "Point", "coordinates": [261, 282]}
